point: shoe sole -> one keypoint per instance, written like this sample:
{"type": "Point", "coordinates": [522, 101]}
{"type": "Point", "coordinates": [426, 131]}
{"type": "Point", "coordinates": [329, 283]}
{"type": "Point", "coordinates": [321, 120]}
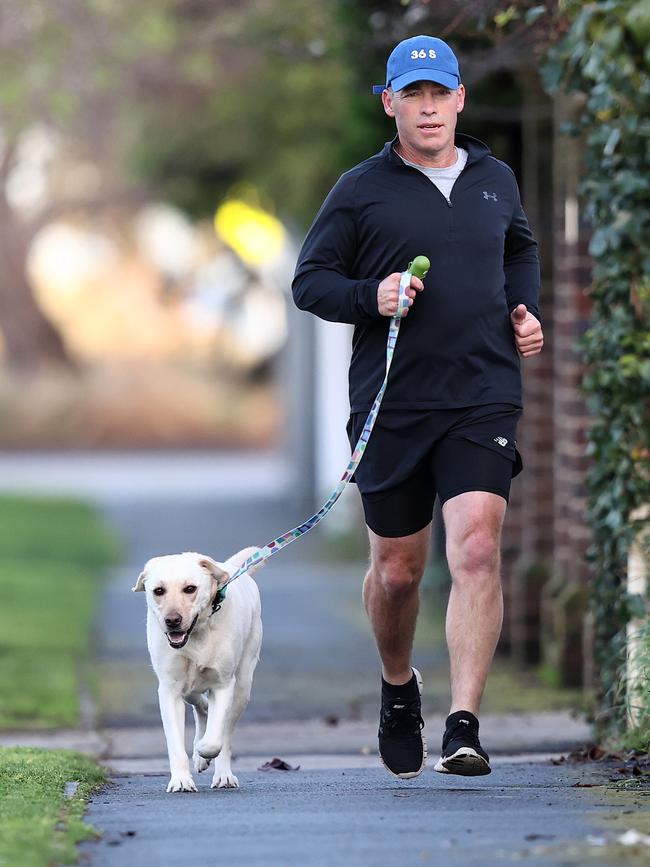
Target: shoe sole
{"type": "Point", "coordinates": [410, 774]}
{"type": "Point", "coordinates": [466, 762]}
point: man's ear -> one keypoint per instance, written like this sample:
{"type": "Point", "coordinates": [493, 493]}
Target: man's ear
{"type": "Point", "coordinates": [387, 101]}
{"type": "Point", "coordinates": [214, 569]}
{"type": "Point", "coordinates": [460, 98]}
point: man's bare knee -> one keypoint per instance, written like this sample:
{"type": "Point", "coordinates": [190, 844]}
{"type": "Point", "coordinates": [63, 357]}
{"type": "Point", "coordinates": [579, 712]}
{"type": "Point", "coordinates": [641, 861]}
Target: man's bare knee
{"type": "Point", "coordinates": [475, 556]}
{"type": "Point", "coordinates": [397, 572]}
{"type": "Point", "coordinates": [473, 524]}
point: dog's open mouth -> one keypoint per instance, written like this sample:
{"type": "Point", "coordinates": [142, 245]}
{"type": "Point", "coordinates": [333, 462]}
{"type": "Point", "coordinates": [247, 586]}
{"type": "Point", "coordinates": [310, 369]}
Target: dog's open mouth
{"type": "Point", "coordinates": [179, 639]}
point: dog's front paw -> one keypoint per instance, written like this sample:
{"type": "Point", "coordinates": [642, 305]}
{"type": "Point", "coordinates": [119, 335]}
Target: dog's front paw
{"type": "Point", "coordinates": [200, 764]}
{"type": "Point", "coordinates": [225, 780]}
{"type": "Point", "coordinates": [181, 783]}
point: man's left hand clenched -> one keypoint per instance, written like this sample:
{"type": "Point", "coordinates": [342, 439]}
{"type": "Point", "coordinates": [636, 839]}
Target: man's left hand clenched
{"type": "Point", "coordinates": [528, 331]}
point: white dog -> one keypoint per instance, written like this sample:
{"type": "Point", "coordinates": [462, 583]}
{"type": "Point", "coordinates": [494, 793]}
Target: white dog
{"type": "Point", "coordinates": [203, 658]}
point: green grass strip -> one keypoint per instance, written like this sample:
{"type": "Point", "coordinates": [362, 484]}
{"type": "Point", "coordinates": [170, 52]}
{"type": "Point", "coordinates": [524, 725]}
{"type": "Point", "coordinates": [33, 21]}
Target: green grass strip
{"type": "Point", "coordinates": [54, 530]}
{"type": "Point", "coordinates": [52, 556]}
{"type": "Point", "coordinates": [38, 825]}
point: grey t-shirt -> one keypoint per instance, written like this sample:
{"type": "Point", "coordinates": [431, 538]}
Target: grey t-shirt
{"type": "Point", "coordinates": [445, 178]}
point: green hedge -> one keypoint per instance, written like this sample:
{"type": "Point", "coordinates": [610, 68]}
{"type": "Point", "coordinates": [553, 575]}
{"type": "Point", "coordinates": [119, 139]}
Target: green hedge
{"type": "Point", "coordinates": [604, 56]}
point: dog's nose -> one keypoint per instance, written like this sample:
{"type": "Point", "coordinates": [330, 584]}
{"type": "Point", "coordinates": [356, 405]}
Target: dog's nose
{"type": "Point", "coordinates": [173, 621]}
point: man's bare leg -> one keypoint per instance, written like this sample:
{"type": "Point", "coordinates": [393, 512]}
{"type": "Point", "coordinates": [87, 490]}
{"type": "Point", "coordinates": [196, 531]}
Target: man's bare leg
{"type": "Point", "coordinates": [391, 596]}
{"type": "Point", "coordinates": [473, 524]}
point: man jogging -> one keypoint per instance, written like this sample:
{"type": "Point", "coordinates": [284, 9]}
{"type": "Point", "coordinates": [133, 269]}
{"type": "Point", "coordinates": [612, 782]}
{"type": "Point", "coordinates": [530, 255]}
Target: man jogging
{"type": "Point", "coordinates": [447, 425]}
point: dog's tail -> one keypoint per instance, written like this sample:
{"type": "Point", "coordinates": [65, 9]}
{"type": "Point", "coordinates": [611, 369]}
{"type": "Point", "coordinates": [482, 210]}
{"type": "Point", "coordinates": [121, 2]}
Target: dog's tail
{"type": "Point", "coordinates": [243, 555]}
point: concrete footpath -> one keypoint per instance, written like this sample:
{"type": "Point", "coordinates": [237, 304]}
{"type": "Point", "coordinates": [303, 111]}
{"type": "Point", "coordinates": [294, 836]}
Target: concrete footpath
{"type": "Point", "coordinates": [340, 804]}
{"type": "Point", "coordinates": [537, 813]}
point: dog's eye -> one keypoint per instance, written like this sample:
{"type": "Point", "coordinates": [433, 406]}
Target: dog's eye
{"type": "Point", "coordinates": [189, 589]}
{"type": "Point", "coordinates": [159, 591]}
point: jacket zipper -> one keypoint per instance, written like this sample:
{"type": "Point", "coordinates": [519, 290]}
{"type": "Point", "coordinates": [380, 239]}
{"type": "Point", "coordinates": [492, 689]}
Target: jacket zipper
{"type": "Point", "coordinates": [431, 184]}
{"type": "Point", "coordinates": [450, 204]}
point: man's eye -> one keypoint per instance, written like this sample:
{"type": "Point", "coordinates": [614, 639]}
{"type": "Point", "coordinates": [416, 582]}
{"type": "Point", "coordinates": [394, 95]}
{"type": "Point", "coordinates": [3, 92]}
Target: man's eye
{"type": "Point", "coordinates": [189, 589]}
{"type": "Point", "coordinates": [159, 591]}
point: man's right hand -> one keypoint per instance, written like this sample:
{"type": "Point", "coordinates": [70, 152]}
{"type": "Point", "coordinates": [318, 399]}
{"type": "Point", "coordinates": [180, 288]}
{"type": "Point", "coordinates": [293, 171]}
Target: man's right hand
{"type": "Point", "coordinates": [388, 294]}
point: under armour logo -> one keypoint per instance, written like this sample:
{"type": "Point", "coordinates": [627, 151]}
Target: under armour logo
{"type": "Point", "coordinates": [501, 440]}
{"type": "Point", "coordinates": [492, 196]}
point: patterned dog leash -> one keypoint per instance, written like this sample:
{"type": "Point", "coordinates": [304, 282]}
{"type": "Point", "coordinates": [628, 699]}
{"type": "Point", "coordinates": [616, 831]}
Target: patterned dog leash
{"type": "Point", "coordinates": [418, 268]}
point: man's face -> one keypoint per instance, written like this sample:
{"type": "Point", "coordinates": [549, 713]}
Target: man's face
{"type": "Point", "coordinates": [425, 114]}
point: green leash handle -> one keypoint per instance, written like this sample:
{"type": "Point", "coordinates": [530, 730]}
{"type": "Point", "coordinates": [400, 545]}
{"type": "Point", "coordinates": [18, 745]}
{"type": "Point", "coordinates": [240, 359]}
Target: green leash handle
{"type": "Point", "coordinates": [419, 267]}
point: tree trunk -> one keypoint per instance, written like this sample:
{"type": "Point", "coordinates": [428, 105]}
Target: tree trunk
{"type": "Point", "coordinates": [30, 340]}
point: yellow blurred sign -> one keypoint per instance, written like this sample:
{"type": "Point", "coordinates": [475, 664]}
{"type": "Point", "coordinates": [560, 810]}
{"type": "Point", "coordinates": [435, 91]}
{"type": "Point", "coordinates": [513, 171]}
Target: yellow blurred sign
{"type": "Point", "coordinates": [254, 234]}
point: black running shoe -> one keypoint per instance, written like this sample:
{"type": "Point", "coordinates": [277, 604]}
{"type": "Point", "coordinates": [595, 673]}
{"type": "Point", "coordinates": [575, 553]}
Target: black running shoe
{"type": "Point", "coordinates": [402, 747]}
{"type": "Point", "coordinates": [461, 749]}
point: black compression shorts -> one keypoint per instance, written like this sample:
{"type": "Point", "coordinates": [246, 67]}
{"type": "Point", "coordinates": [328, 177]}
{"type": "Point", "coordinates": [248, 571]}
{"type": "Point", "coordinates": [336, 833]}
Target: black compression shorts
{"type": "Point", "coordinates": [414, 455]}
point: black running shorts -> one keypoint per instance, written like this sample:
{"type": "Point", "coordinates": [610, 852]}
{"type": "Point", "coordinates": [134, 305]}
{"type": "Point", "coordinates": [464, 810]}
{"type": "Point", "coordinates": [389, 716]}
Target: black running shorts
{"type": "Point", "coordinates": [414, 455]}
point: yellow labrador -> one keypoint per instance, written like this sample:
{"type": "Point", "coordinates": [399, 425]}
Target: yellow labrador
{"type": "Point", "coordinates": [201, 658]}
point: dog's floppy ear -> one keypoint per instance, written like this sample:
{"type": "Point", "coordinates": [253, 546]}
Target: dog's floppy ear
{"type": "Point", "coordinates": [213, 568]}
{"type": "Point", "coordinates": [139, 584]}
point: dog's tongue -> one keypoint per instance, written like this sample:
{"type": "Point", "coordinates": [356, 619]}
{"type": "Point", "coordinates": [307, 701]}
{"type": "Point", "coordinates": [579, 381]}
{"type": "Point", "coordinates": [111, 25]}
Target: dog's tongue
{"type": "Point", "coordinates": [176, 637]}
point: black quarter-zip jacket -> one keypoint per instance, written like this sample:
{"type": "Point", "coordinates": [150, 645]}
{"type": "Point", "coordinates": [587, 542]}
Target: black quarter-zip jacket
{"type": "Point", "coordinates": [456, 347]}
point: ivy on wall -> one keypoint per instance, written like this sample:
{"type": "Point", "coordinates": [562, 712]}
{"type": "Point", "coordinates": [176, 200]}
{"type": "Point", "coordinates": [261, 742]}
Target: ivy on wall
{"type": "Point", "coordinates": [605, 56]}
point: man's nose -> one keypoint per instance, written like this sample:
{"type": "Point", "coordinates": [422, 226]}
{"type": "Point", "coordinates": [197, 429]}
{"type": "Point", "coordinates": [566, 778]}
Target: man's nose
{"type": "Point", "coordinates": [172, 620]}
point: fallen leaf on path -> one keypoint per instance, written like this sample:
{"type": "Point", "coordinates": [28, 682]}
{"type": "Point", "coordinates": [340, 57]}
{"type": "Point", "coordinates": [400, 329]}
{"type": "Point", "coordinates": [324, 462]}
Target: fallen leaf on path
{"type": "Point", "coordinates": [632, 766]}
{"type": "Point", "coordinates": [591, 753]}
{"type": "Point", "coordinates": [277, 764]}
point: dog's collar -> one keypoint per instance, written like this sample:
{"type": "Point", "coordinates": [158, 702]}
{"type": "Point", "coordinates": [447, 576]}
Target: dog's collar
{"type": "Point", "coordinates": [219, 597]}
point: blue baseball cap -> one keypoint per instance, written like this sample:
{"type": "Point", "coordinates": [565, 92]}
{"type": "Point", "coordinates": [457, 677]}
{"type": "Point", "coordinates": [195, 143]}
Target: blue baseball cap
{"type": "Point", "coordinates": [421, 58]}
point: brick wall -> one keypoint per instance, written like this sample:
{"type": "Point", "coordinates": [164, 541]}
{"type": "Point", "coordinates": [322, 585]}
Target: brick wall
{"type": "Point", "coordinates": [567, 598]}
{"type": "Point", "coordinates": [545, 538]}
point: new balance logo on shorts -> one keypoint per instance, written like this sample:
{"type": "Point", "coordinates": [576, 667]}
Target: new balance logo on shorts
{"type": "Point", "coordinates": [502, 441]}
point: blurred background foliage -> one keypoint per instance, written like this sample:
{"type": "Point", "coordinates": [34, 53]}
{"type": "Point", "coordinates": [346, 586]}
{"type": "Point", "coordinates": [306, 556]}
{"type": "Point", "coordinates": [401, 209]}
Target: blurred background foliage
{"type": "Point", "coordinates": [180, 100]}
{"type": "Point", "coordinates": [124, 127]}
